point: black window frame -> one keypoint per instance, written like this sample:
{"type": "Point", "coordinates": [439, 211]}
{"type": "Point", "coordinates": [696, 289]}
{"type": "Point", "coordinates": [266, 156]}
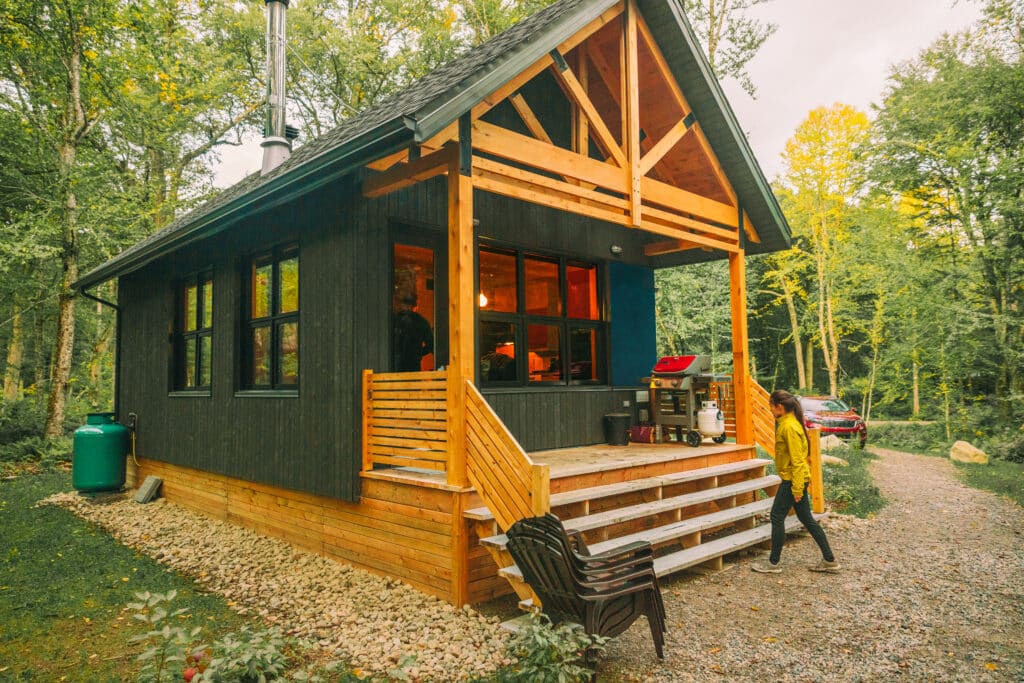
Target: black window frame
{"type": "Point", "coordinates": [199, 279]}
{"type": "Point", "coordinates": [522, 320]}
{"type": "Point", "coordinates": [274, 321]}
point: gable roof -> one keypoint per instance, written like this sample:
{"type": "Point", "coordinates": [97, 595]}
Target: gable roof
{"type": "Point", "coordinates": [423, 109]}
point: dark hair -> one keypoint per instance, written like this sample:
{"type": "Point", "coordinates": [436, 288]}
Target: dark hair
{"type": "Point", "coordinates": [791, 404]}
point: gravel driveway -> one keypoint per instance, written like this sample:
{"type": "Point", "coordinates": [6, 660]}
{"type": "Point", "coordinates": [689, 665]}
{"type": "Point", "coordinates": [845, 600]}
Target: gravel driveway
{"type": "Point", "coordinates": [932, 589]}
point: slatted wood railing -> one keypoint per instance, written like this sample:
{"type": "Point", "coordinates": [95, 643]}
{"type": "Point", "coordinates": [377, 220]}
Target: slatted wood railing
{"type": "Point", "coordinates": [405, 420]}
{"type": "Point", "coordinates": [512, 485]}
{"type": "Point", "coordinates": [764, 421]}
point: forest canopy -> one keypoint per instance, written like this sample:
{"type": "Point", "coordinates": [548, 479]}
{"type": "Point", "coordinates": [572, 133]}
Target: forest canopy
{"type": "Point", "coordinates": [902, 292]}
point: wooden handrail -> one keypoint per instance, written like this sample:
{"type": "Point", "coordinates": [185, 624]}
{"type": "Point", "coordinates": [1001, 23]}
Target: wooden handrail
{"type": "Point", "coordinates": [764, 421]}
{"type": "Point", "coordinates": [510, 483]}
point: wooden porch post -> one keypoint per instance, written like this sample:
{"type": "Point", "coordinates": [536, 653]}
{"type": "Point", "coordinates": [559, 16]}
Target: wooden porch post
{"type": "Point", "coordinates": [740, 348]}
{"type": "Point", "coordinates": [461, 306]}
{"type": "Point", "coordinates": [817, 487]}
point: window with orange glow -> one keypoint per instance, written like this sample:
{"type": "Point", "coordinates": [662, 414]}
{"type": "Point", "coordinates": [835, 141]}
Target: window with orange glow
{"type": "Point", "coordinates": [497, 283]}
{"type": "Point", "coordinates": [540, 320]}
{"type": "Point", "coordinates": [582, 291]}
{"type": "Point", "coordinates": [543, 287]}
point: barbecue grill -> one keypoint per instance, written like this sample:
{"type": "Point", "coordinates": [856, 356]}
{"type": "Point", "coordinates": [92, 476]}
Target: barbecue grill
{"type": "Point", "coordinates": [677, 386]}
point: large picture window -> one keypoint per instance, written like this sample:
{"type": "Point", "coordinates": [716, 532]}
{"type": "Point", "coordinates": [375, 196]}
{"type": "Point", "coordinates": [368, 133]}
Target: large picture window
{"type": "Point", "coordinates": [271, 334]}
{"type": "Point", "coordinates": [540, 320]}
{"type": "Point", "coordinates": [193, 339]}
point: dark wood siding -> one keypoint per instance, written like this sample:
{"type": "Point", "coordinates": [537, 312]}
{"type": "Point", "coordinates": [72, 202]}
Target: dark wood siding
{"type": "Point", "coordinates": [311, 442]}
{"type": "Point", "coordinates": [545, 419]}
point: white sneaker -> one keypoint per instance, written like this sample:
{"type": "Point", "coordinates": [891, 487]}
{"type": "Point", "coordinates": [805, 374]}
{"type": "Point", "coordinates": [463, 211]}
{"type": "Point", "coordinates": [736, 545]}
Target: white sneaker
{"type": "Point", "coordinates": [766, 568]}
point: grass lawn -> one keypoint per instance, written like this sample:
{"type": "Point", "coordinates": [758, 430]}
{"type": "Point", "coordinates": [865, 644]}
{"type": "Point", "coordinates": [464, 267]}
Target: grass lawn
{"type": "Point", "coordinates": [848, 490]}
{"type": "Point", "coordinates": [64, 584]}
{"type": "Point", "coordinates": [851, 490]}
{"type": "Point", "coordinates": [999, 476]}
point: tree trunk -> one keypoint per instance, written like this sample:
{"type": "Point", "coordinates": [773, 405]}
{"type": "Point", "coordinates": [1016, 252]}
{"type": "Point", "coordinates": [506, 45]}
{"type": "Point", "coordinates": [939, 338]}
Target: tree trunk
{"type": "Point", "coordinates": [65, 343]}
{"type": "Point", "coordinates": [915, 373]}
{"type": "Point", "coordinates": [871, 383]}
{"type": "Point", "coordinates": [810, 368]}
{"type": "Point", "coordinates": [15, 353]}
{"type": "Point", "coordinates": [794, 326]}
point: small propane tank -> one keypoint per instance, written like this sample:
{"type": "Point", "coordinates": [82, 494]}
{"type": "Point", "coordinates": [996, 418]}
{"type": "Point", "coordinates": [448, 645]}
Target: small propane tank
{"type": "Point", "coordinates": [710, 421]}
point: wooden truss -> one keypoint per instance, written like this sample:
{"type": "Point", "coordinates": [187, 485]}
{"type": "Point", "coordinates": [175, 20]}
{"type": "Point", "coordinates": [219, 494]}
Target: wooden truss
{"type": "Point", "coordinates": [639, 178]}
{"type": "Point", "coordinates": [621, 188]}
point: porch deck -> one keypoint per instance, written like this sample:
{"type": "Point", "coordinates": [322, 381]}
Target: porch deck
{"type": "Point", "coordinates": [571, 462]}
{"type": "Point", "coordinates": [604, 462]}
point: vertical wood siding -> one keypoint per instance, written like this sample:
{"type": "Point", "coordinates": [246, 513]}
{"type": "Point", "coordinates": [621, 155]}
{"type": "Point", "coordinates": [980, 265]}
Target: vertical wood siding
{"type": "Point", "coordinates": [312, 442]}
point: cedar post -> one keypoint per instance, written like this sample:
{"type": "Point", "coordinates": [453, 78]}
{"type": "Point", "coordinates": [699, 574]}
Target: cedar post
{"type": "Point", "coordinates": [631, 112]}
{"type": "Point", "coordinates": [817, 487]}
{"type": "Point", "coordinates": [367, 418]}
{"type": "Point", "coordinates": [461, 304]}
{"type": "Point", "coordinates": [740, 348]}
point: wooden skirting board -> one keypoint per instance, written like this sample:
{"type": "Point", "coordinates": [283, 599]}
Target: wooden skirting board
{"type": "Point", "coordinates": [399, 530]}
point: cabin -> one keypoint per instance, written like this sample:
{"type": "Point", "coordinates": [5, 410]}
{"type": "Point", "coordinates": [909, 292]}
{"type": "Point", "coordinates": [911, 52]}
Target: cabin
{"type": "Point", "coordinates": [391, 344]}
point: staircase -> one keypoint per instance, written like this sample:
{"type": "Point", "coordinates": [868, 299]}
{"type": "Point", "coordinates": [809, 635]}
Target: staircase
{"type": "Point", "coordinates": [693, 517]}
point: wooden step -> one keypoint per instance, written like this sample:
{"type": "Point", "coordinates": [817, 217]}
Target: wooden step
{"type": "Point", "coordinates": [668, 532]}
{"type": "Point", "coordinates": [655, 507]}
{"type": "Point", "coordinates": [641, 510]}
{"type": "Point", "coordinates": [690, 557]}
{"type": "Point", "coordinates": [609, 490]}
{"type": "Point", "coordinates": [684, 559]}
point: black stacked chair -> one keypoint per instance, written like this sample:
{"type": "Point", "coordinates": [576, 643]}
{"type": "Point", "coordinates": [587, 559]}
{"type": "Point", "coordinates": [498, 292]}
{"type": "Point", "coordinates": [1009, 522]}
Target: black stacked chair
{"type": "Point", "coordinates": [605, 593]}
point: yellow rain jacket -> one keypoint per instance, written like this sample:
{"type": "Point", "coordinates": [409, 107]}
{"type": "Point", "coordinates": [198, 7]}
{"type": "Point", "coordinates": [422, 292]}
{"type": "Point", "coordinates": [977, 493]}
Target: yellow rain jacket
{"type": "Point", "coordinates": [791, 452]}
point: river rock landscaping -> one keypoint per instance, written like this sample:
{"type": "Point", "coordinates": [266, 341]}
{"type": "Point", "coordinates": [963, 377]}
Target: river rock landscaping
{"type": "Point", "coordinates": [372, 623]}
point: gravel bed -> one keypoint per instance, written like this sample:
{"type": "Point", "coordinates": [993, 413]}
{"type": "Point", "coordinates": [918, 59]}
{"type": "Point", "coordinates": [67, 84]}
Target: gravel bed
{"type": "Point", "coordinates": [367, 620]}
{"type": "Point", "coordinates": [932, 589]}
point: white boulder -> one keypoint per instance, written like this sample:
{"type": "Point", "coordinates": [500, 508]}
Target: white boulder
{"type": "Point", "coordinates": [965, 452]}
{"type": "Point", "coordinates": [831, 441]}
{"type": "Point", "coordinates": [833, 460]}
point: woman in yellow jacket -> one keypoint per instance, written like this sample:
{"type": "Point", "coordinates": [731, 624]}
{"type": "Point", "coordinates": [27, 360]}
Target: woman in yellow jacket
{"type": "Point", "coordinates": [791, 446]}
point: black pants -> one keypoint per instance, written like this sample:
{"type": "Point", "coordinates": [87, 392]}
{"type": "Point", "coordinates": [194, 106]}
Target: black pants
{"type": "Point", "coordinates": [780, 508]}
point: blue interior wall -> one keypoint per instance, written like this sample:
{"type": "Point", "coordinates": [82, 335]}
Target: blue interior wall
{"type": "Point", "coordinates": [633, 342]}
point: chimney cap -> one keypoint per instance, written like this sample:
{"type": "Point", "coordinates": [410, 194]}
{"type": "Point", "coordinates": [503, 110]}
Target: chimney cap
{"type": "Point", "coordinates": [291, 132]}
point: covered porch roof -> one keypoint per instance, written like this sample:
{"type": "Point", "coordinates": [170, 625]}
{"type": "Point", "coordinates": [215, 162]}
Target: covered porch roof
{"type": "Point", "coordinates": [427, 113]}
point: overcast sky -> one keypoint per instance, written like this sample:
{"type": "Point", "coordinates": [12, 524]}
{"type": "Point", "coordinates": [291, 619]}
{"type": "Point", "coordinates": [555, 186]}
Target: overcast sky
{"type": "Point", "coordinates": [825, 51]}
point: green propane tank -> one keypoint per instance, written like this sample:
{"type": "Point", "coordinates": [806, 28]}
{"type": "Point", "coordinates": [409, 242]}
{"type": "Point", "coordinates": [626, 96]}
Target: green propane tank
{"type": "Point", "coordinates": [98, 457]}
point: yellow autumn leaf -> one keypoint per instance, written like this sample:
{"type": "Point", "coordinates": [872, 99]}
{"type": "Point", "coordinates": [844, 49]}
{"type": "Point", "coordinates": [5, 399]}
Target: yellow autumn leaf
{"type": "Point", "coordinates": [990, 666]}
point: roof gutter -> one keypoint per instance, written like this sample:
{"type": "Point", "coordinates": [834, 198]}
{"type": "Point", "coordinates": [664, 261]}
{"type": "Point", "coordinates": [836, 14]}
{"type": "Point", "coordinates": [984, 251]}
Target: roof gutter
{"type": "Point", "coordinates": [390, 137]}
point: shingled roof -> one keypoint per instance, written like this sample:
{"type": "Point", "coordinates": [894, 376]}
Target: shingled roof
{"type": "Point", "coordinates": [420, 111]}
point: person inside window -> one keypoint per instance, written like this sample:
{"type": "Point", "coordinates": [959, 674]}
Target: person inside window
{"type": "Point", "coordinates": [413, 337]}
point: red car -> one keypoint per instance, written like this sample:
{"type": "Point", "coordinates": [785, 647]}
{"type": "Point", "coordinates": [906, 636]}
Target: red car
{"type": "Point", "coordinates": [833, 416]}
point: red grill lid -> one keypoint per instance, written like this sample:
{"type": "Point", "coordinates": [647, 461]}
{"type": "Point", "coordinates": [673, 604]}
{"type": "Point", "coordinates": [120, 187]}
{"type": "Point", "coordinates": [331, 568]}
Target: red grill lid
{"type": "Point", "coordinates": [682, 365]}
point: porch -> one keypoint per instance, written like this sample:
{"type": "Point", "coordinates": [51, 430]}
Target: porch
{"type": "Point", "coordinates": [693, 504]}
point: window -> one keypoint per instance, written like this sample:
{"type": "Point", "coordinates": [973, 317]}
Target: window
{"type": "Point", "coordinates": [548, 306]}
{"type": "Point", "coordinates": [193, 339]}
{"type": "Point", "coordinates": [271, 334]}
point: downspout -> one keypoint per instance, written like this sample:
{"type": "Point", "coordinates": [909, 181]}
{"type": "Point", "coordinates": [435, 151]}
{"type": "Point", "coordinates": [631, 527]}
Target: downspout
{"type": "Point", "coordinates": [117, 346]}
